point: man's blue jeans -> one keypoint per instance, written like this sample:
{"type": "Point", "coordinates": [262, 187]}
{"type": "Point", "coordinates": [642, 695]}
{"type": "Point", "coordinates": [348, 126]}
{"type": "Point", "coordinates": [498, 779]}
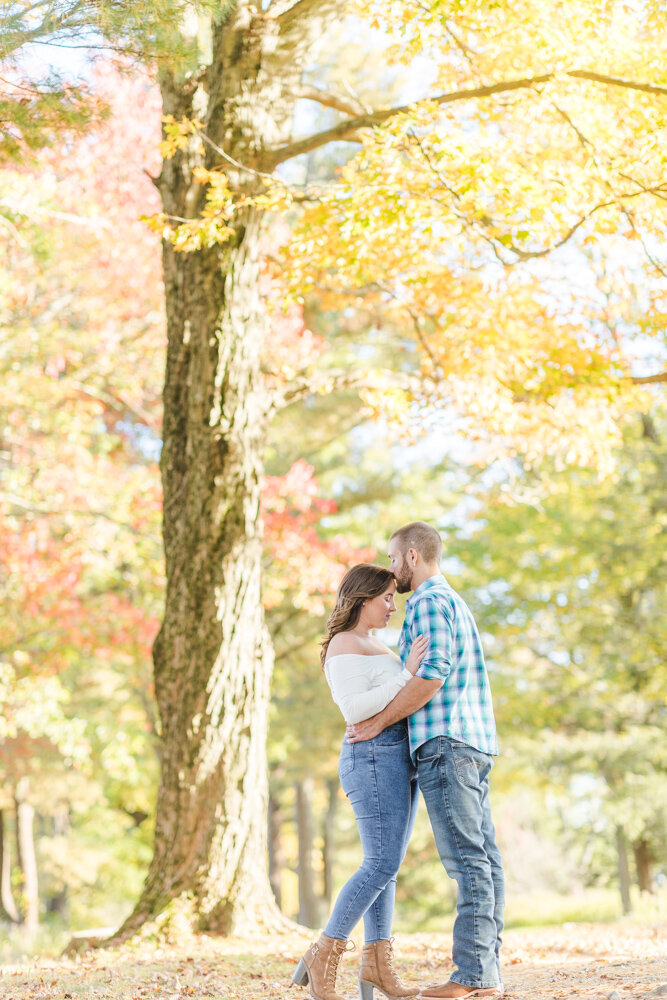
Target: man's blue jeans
{"type": "Point", "coordinates": [454, 780]}
{"type": "Point", "coordinates": [380, 781]}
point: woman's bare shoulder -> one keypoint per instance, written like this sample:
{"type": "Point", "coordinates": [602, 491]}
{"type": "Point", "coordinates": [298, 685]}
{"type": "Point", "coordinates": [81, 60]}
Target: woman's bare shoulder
{"type": "Point", "coordinates": [345, 642]}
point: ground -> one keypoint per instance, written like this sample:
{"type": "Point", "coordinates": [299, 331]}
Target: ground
{"type": "Point", "coordinates": [569, 961]}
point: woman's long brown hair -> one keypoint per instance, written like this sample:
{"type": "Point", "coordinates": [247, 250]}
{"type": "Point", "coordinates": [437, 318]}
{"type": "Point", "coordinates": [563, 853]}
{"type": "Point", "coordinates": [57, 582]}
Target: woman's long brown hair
{"type": "Point", "coordinates": [361, 583]}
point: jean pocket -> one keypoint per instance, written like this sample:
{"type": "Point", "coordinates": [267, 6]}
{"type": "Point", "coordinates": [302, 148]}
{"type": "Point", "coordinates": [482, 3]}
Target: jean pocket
{"type": "Point", "coordinates": [346, 760]}
{"type": "Point", "coordinates": [430, 751]}
{"type": "Point", "coordinates": [468, 767]}
{"type": "Point", "coordinates": [390, 740]}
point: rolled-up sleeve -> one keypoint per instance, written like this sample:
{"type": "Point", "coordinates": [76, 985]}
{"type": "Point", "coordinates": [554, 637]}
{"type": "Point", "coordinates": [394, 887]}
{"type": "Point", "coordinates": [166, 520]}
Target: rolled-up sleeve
{"type": "Point", "coordinates": [430, 620]}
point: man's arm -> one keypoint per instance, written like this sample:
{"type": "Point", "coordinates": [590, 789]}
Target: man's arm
{"type": "Point", "coordinates": [414, 695]}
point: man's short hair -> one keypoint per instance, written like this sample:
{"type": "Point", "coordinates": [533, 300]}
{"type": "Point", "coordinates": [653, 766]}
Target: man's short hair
{"type": "Point", "coordinates": [421, 536]}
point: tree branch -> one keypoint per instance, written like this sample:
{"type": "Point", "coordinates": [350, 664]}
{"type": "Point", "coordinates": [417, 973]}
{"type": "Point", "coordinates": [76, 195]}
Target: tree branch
{"type": "Point", "coordinates": [321, 383]}
{"type": "Point", "coordinates": [485, 221]}
{"type": "Point", "coordinates": [116, 401]}
{"type": "Point", "coordinates": [649, 379]}
{"type": "Point", "coordinates": [327, 99]}
{"type": "Point", "coordinates": [295, 647]}
{"type": "Point", "coordinates": [617, 81]}
{"type": "Point", "coordinates": [649, 256]}
{"type": "Point", "coordinates": [346, 130]}
{"type": "Point", "coordinates": [566, 118]}
{"type": "Point", "coordinates": [16, 501]}
{"type": "Point", "coordinates": [15, 34]}
{"type": "Point", "coordinates": [414, 316]}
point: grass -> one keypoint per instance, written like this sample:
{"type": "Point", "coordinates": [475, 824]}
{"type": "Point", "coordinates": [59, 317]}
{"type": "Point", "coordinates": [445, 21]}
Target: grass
{"type": "Point", "coordinates": [539, 909]}
{"type": "Point", "coordinates": [584, 906]}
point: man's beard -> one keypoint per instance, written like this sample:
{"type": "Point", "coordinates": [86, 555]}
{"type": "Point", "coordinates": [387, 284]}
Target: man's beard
{"type": "Point", "coordinates": [403, 581]}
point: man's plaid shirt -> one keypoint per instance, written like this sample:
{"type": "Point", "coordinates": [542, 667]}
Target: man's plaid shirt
{"type": "Point", "coordinates": [462, 707]}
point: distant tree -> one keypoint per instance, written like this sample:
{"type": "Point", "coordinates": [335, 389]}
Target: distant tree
{"type": "Point", "coordinates": [39, 101]}
{"type": "Point", "coordinates": [82, 569]}
{"type": "Point", "coordinates": [571, 588]}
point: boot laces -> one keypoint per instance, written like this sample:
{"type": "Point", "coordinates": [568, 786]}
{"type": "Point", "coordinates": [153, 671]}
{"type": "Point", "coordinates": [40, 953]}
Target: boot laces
{"type": "Point", "coordinates": [390, 960]}
{"type": "Point", "coordinates": [334, 958]}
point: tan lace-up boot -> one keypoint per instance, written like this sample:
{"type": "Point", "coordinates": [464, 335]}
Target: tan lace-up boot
{"type": "Point", "coordinates": [319, 966]}
{"type": "Point", "coordinates": [377, 971]}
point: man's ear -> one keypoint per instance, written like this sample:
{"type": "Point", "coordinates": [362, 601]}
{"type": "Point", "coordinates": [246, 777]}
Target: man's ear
{"type": "Point", "coordinates": [414, 556]}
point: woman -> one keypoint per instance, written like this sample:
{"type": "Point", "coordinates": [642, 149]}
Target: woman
{"type": "Point", "coordinates": [377, 776]}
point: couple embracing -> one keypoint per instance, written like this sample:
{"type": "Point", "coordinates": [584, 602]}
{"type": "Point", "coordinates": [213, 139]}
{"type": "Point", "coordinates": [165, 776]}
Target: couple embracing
{"type": "Point", "coordinates": [424, 721]}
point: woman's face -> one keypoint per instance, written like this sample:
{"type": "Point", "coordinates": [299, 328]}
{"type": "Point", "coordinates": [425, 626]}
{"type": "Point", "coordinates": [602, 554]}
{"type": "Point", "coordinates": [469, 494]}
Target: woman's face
{"type": "Point", "coordinates": [378, 610]}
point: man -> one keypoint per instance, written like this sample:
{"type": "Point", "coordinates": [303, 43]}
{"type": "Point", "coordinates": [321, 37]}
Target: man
{"type": "Point", "coordinates": [452, 740]}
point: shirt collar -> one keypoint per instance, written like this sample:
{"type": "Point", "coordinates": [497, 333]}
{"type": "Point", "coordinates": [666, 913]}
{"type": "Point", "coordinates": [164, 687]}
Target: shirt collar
{"type": "Point", "coordinates": [432, 583]}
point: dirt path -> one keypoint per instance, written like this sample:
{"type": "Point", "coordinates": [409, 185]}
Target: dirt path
{"type": "Point", "coordinates": [621, 961]}
{"type": "Point", "coordinates": [576, 960]}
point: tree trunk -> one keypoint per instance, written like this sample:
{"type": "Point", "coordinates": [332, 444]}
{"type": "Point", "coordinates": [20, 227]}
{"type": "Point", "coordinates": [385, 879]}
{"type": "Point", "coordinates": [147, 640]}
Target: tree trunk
{"type": "Point", "coordinates": [25, 839]}
{"type": "Point", "coordinates": [58, 901]}
{"type": "Point", "coordinates": [328, 847]}
{"type": "Point", "coordinates": [623, 869]}
{"type": "Point", "coordinates": [213, 657]}
{"type": "Point", "coordinates": [308, 902]}
{"type": "Point", "coordinates": [276, 852]}
{"type": "Point", "coordinates": [7, 905]}
{"type": "Point", "coordinates": [644, 865]}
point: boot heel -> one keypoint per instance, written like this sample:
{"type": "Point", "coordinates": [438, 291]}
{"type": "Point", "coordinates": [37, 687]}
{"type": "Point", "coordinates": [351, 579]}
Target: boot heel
{"type": "Point", "coordinates": [365, 990]}
{"type": "Point", "coordinates": [300, 974]}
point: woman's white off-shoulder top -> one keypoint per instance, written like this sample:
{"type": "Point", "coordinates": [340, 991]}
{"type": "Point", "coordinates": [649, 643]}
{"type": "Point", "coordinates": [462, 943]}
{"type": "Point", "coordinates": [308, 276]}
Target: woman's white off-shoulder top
{"type": "Point", "coordinates": [363, 685]}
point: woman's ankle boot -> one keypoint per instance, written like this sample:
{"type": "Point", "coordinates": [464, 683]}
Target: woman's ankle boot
{"type": "Point", "coordinates": [319, 966]}
{"type": "Point", "coordinates": [377, 971]}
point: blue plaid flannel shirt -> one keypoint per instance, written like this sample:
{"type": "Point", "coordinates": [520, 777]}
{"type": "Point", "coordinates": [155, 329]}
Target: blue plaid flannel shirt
{"type": "Point", "coordinates": [462, 707]}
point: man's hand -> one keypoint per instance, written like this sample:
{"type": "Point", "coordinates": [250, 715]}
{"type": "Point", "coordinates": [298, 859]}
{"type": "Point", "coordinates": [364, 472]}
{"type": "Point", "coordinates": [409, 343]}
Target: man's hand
{"type": "Point", "coordinates": [366, 730]}
{"type": "Point", "coordinates": [417, 692]}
